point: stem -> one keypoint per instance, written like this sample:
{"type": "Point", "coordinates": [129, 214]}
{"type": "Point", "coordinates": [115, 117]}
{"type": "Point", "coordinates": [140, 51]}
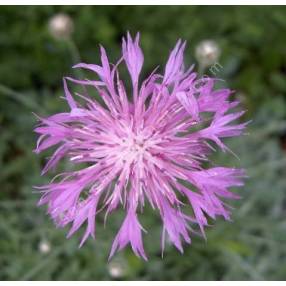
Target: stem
{"type": "Point", "coordinates": [20, 97]}
{"type": "Point", "coordinates": [201, 69]}
{"type": "Point", "coordinates": [75, 55]}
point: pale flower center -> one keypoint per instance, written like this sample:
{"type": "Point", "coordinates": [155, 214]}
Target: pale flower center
{"type": "Point", "coordinates": [133, 146]}
{"type": "Point", "coordinates": [136, 146]}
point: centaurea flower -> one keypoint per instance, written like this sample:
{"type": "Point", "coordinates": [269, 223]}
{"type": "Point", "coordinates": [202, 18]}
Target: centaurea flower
{"type": "Point", "coordinates": [151, 146]}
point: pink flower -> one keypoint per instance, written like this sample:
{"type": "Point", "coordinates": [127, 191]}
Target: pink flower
{"type": "Point", "coordinates": [147, 147]}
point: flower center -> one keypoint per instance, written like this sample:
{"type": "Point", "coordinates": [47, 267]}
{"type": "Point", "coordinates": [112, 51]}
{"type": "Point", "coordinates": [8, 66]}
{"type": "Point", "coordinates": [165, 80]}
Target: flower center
{"type": "Point", "coordinates": [134, 146]}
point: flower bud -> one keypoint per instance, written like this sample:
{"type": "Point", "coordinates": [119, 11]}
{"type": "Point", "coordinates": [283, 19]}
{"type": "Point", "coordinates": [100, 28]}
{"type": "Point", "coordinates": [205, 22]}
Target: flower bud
{"type": "Point", "coordinates": [44, 247]}
{"type": "Point", "coordinates": [116, 269]}
{"type": "Point", "coordinates": [61, 26]}
{"type": "Point", "coordinates": [207, 52]}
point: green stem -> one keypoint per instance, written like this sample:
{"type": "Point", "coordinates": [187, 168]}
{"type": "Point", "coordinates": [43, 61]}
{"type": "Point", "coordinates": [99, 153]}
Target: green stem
{"type": "Point", "coordinates": [75, 59]}
{"type": "Point", "coordinates": [20, 97]}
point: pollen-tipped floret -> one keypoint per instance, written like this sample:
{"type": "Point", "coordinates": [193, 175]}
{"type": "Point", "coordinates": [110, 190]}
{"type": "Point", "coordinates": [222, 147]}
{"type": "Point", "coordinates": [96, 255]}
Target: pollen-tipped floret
{"type": "Point", "coordinates": [150, 144]}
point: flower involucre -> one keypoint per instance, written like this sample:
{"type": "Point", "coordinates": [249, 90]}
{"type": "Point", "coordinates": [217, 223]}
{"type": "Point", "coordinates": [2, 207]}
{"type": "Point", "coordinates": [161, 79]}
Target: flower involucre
{"type": "Point", "coordinates": [149, 146]}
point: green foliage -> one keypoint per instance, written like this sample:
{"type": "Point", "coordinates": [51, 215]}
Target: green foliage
{"type": "Point", "coordinates": [252, 40]}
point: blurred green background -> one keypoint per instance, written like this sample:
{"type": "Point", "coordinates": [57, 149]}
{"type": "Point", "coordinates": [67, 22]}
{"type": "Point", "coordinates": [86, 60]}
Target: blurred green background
{"type": "Point", "coordinates": [32, 64]}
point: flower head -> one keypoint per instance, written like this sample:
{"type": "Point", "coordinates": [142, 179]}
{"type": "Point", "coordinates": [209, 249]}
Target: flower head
{"type": "Point", "coordinates": [150, 147]}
